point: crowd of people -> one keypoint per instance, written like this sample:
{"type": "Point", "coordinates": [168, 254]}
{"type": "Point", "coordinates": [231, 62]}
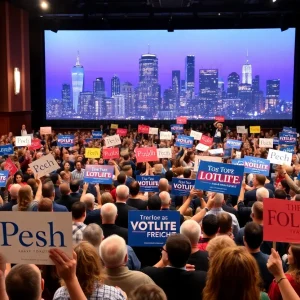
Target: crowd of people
{"type": "Point", "coordinates": [219, 252]}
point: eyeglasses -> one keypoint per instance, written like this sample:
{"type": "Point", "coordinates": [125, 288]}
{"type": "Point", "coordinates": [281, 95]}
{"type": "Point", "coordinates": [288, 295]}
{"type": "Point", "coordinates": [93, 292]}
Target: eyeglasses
{"type": "Point", "coordinates": [162, 249]}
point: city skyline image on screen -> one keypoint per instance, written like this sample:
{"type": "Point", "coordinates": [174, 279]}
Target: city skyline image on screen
{"type": "Point", "coordinates": [157, 75]}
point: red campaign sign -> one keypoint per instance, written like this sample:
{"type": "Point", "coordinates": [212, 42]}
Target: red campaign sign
{"type": "Point", "coordinates": [35, 144]}
{"type": "Point", "coordinates": [122, 131]}
{"type": "Point", "coordinates": [181, 120]}
{"type": "Point", "coordinates": [220, 118]}
{"type": "Point", "coordinates": [111, 153]}
{"type": "Point", "coordinates": [143, 129]}
{"type": "Point", "coordinates": [281, 220]}
{"type": "Point", "coordinates": [10, 166]}
{"type": "Point", "coordinates": [146, 154]}
{"type": "Point", "coordinates": [206, 140]}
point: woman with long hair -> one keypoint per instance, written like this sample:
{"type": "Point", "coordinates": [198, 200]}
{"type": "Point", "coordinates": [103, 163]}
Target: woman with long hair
{"type": "Point", "coordinates": [89, 272]}
{"type": "Point", "coordinates": [233, 274]}
{"type": "Point", "coordinates": [66, 169]}
{"type": "Point", "coordinates": [292, 275]}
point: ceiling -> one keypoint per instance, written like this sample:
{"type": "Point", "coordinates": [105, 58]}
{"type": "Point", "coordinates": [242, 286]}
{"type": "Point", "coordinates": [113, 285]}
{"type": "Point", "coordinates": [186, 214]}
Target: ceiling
{"type": "Point", "coordinates": [181, 14]}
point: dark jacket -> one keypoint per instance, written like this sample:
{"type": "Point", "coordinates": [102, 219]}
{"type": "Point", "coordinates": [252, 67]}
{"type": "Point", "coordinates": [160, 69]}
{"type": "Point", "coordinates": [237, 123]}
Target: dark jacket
{"type": "Point", "coordinates": [122, 218]}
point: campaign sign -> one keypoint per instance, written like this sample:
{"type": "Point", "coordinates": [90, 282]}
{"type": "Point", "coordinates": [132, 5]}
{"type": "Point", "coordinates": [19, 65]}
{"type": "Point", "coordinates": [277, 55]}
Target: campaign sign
{"type": "Point", "coordinates": [111, 153]}
{"type": "Point", "coordinates": [202, 147]}
{"type": "Point", "coordinates": [28, 240]}
{"type": "Point", "coordinates": [164, 153]}
{"type": "Point", "coordinates": [281, 220]}
{"type": "Point", "coordinates": [45, 130]}
{"type": "Point", "coordinates": [10, 167]}
{"type": "Point", "coordinates": [289, 129]}
{"type": "Point", "coordinates": [44, 165]}
{"type": "Point", "coordinates": [148, 183]}
{"type": "Point", "coordinates": [113, 140]}
{"type": "Point", "coordinates": [122, 131]}
{"type": "Point", "coordinates": [241, 129]}
{"type": "Point", "coordinates": [165, 135]}
{"type": "Point", "coordinates": [65, 140]}
{"type": "Point", "coordinates": [289, 149]}
{"type": "Point", "coordinates": [181, 120]}
{"type": "Point", "coordinates": [6, 150]}
{"type": "Point", "coordinates": [98, 174]}
{"type": "Point", "coordinates": [177, 128]}
{"type": "Point", "coordinates": [196, 135]}
{"type": "Point", "coordinates": [275, 141]}
{"type": "Point", "coordinates": [153, 130]}
{"type": "Point", "coordinates": [151, 228]}
{"type": "Point", "coordinates": [216, 151]}
{"type": "Point", "coordinates": [92, 152]}
{"type": "Point", "coordinates": [199, 158]}
{"type": "Point", "coordinates": [287, 138]}
{"type": "Point", "coordinates": [227, 153]}
{"type": "Point", "coordinates": [114, 126]}
{"type": "Point", "coordinates": [265, 143]}
{"type": "Point", "coordinates": [238, 162]}
{"type": "Point", "coordinates": [35, 144]}
{"type": "Point", "coordinates": [97, 135]}
{"type": "Point", "coordinates": [146, 154]}
{"type": "Point", "coordinates": [220, 118]}
{"type": "Point", "coordinates": [184, 141]}
{"type": "Point", "coordinates": [3, 178]}
{"type": "Point", "coordinates": [220, 178]}
{"type": "Point", "coordinates": [279, 157]}
{"type": "Point", "coordinates": [24, 140]}
{"type": "Point", "coordinates": [86, 141]}
{"type": "Point", "coordinates": [206, 140]}
{"type": "Point", "coordinates": [182, 186]}
{"type": "Point", "coordinates": [256, 165]}
{"type": "Point", "coordinates": [254, 129]}
{"type": "Point", "coordinates": [234, 144]}
{"type": "Point", "coordinates": [144, 129]}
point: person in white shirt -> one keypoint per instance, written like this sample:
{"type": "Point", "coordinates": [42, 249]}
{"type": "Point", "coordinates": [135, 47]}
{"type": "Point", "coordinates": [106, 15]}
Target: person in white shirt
{"type": "Point", "coordinates": [23, 130]}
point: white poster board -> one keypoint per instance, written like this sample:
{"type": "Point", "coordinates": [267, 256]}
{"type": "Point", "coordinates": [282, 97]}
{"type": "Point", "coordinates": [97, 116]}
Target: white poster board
{"type": "Point", "coordinates": [24, 140]}
{"type": "Point", "coordinates": [153, 130]}
{"type": "Point", "coordinates": [198, 158]}
{"type": "Point", "coordinates": [45, 130]}
{"type": "Point", "coordinates": [241, 129]}
{"type": "Point", "coordinates": [196, 135]}
{"type": "Point", "coordinates": [113, 140]}
{"type": "Point", "coordinates": [165, 135]}
{"type": "Point", "coordinates": [279, 157]}
{"type": "Point", "coordinates": [265, 143]}
{"type": "Point", "coordinates": [27, 240]}
{"type": "Point", "coordinates": [44, 165]}
{"type": "Point", "coordinates": [164, 153]}
{"type": "Point", "coordinates": [202, 147]}
{"type": "Point", "coordinates": [216, 151]}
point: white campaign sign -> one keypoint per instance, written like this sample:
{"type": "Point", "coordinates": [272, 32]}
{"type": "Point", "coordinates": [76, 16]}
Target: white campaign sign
{"type": "Point", "coordinates": [113, 140]}
{"type": "Point", "coordinates": [202, 147]}
{"type": "Point", "coordinates": [164, 153]}
{"type": "Point", "coordinates": [24, 140]}
{"type": "Point", "coordinates": [45, 130]}
{"type": "Point", "coordinates": [216, 151]}
{"type": "Point", "coordinates": [241, 129]}
{"type": "Point", "coordinates": [165, 135]}
{"type": "Point", "coordinates": [28, 240]}
{"type": "Point", "coordinates": [44, 165]}
{"type": "Point", "coordinates": [196, 135]}
{"type": "Point", "coordinates": [238, 154]}
{"type": "Point", "coordinates": [153, 130]}
{"type": "Point", "coordinates": [266, 143]}
{"type": "Point", "coordinates": [198, 158]}
{"type": "Point", "coordinates": [279, 157]}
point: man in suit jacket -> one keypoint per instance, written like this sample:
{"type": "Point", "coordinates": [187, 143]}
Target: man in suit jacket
{"type": "Point", "coordinates": [74, 187]}
{"type": "Point", "coordinates": [92, 215]}
{"type": "Point", "coordinates": [170, 273]}
{"type": "Point", "coordinates": [65, 198]}
{"type": "Point", "coordinates": [122, 194]}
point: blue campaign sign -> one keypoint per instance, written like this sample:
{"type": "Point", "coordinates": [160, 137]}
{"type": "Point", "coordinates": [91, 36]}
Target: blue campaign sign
{"type": "Point", "coordinates": [289, 129]}
{"type": "Point", "coordinates": [97, 135]}
{"type": "Point", "coordinates": [227, 153]}
{"type": "Point", "coordinates": [66, 140]}
{"type": "Point", "coordinates": [182, 186]}
{"type": "Point", "coordinates": [238, 162]}
{"type": "Point", "coordinates": [98, 174]}
{"type": "Point", "coordinates": [256, 165]}
{"type": "Point", "coordinates": [289, 149]}
{"type": "Point", "coordinates": [177, 128]}
{"type": "Point", "coordinates": [6, 150]}
{"type": "Point", "coordinates": [184, 141]}
{"type": "Point", "coordinates": [3, 178]}
{"type": "Point", "coordinates": [275, 141]}
{"type": "Point", "coordinates": [151, 228]}
{"type": "Point", "coordinates": [287, 138]}
{"type": "Point", "coordinates": [148, 183]}
{"type": "Point", "coordinates": [219, 177]}
{"type": "Point", "coordinates": [234, 144]}
{"type": "Point", "coordinates": [88, 140]}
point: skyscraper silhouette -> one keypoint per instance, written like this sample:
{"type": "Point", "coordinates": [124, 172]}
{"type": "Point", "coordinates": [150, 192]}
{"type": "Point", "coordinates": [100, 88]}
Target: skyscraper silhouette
{"type": "Point", "coordinates": [115, 85]}
{"type": "Point", "coordinates": [175, 88]}
{"type": "Point", "coordinates": [190, 76]}
{"type": "Point", "coordinates": [247, 72]}
{"type": "Point", "coordinates": [77, 82]}
{"type": "Point", "coordinates": [99, 87]}
{"type": "Point", "coordinates": [66, 98]}
{"type": "Point", "coordinates": [233, 85]}
{"type": "Point", "coordinates": [273, 92]}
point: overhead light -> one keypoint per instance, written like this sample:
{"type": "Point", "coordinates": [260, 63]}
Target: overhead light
{"type": "Point", "coordinates": [274, 1]}
{"type": "Point", "coordinates": [219, 14]}
{"type": "Point", "coordinates": [44, 5]}
{"type": "Point", "coordinates": [17, 81]}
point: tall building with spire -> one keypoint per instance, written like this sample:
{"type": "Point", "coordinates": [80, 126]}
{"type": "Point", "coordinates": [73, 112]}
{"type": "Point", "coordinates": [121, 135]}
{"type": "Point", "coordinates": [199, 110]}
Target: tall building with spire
{"type": "Point", "coordinates": [247, 72]}
{"type": "Point", "coordinates": [190, 76]}
{"type": "Point", "coordinates": [77, 82]}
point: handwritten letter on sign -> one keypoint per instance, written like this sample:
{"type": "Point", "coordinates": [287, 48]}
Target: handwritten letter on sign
{"type": "Point", "coordinates": [113, 140]}
{"type": "Point", "coordinates": [24, 140]}
{"type": "Point", "coordinates": [44, 165]}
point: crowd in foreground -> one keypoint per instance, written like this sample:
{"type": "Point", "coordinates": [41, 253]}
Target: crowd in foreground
{"type": "Point", "coordinates": [218, 254]}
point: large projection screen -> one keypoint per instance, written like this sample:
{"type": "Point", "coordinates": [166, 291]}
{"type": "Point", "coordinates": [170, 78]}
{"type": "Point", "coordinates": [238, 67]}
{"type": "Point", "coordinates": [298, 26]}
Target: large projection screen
{"type": "Point", "coordinates": [158, 75]}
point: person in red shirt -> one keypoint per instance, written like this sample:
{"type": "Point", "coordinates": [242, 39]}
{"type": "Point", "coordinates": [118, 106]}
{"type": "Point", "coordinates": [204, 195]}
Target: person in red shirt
{"type": "Point", "coordinates": [209, 229]}
{"type": "Point", "coordinates": [293, 274]}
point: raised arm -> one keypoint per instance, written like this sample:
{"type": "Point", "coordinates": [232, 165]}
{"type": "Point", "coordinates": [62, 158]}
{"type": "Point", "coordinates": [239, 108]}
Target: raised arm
{"type": "Point", "coordinates": [3, 294]}
{"type": "Point", "coordinates": [84, 190]}
{"type": "Point", "coordinates": [38, 195]}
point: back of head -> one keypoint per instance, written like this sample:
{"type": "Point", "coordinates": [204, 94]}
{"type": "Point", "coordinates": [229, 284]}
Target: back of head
{"type": "Point", "coordinates": [225, 222]}
{"type": "Point", "coordinates": [210, 225]}
{"type": "Point", "coordinates": [54, 178]}
{"type": "Point", "coordinates": [89, 200]}
{"type": "Point", "coordinates": [261, 179]}
{"type": "Point", "coordinates": [169, 175]}
{"type": "Point", "coordinates": [163, 185]}
{"type": "Point", "coordinates": [295, 266]}
{"type": "Point", "coordinates": [109, 213]}
{"type": "Point", "coordinates": [113, 251]}
{"type": "Point", "coordinates": [14, 190]}
{"type": "Point", "coordinates": [280, 194]}
{"type": "Point", "coordinates": [64, 189]}
{"type": "Point", "coordinates": [253, 235]}
{"type": "Point", "coordinates": [218, 243]}
{"type": "Point", "coordinates": [237, 264]}
{"type": "Point", "coordinates": [258, 210]}
{"type": "Point", "coordinates": [148, 292]}
{"type": "Point", "coordinates": [106, 197]}
{"type": "Point", "coordinates": [45, 205]}
{"type": "Point", "coordinates": [218, 199]}
{"type": "Point", "coordinates": [179, 249]}
{"type": "Point", "coordinates": [154, 203]}
{"type": "Point", "coordinates": [191, 229]}
{"type": "Point", "coordinates": [24, 282]}
{"type": "Point", "coordinates": [74, 186]}
{"type": "Point", "coordinates": [262, 193]}
{"type": "Point", "coordinates": [165, 199]}
{"type": "Point", "coordinates": [134, 188]}
{"type": "Point", "coordinates": [78, 210]}
{"type": "Point", "coordinates": [122, 192]}
{"type": "Point", "coordinates": [121, 178]}
{"type": "Point", "coordinates": [25, 197]}
{"type": "Point", "coordinates": [187, 173]}
{"type": "Point", "coordinates": [93, 234]}
{"type": "Point", "coordinates": [48, 189]}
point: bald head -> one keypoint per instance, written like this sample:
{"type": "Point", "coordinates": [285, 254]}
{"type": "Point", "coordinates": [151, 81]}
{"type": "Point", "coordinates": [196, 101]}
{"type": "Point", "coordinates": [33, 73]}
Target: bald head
{"type": "Point", "coordinates": [109, 213]}
{"type": "Point", "coordinates": [122, 193]}
{"type": "Point", "coordinates": [14, 190]}
{"type": "Point", "coordinates": [218, 199]}
{"type": "Point", "coordinates": [89, 200]}
{"type": "Point", "coordinates": [191, 229]}
{"type": "Point", "coordinates": [64, 189]}
{"type": "Point", "coordinates": [165, 199]}
{"type": "Point", "coordinates": [262, 193]}
{"type": "Point", "coordinates": [163, 185]}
